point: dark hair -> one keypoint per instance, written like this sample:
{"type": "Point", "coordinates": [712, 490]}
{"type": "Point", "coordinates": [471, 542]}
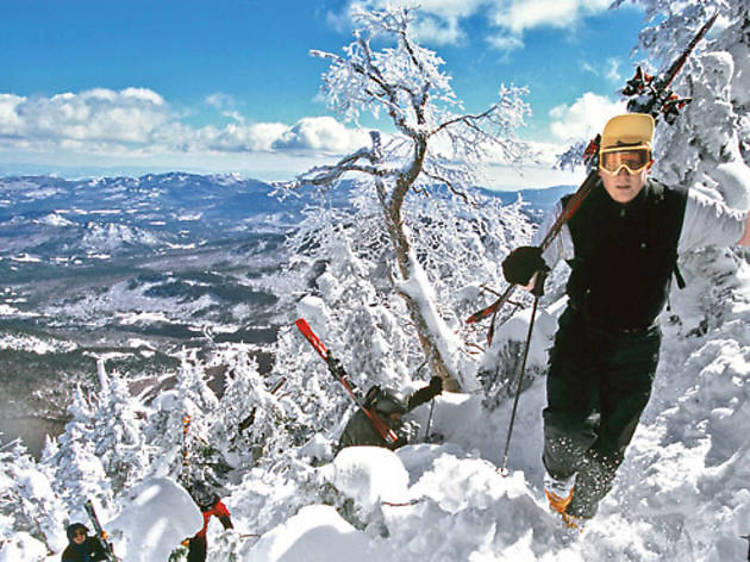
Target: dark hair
{"type": "Point", "coordinates": [388, 401]}
{"type": "Point", "coordinates": [73, 527]}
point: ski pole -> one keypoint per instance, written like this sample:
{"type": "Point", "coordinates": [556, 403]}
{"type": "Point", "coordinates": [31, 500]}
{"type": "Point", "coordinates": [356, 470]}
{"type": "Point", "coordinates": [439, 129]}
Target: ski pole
{"type": "Point", "coordinates": [429, 419]}
{"type": "Point", "coordinates": [537, 291]}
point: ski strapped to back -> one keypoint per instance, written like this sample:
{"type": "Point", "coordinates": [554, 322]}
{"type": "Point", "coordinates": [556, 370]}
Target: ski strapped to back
{"type": "Point", "coordinates": [334, 366]}
{"type": "Point", "coordinates": [101, 534]}
{"type": "Point", "coordinates": [647, 94]}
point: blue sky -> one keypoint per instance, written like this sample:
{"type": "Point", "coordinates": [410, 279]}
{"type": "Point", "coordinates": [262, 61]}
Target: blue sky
{"type": "Point", "coordinates": [127, 87]}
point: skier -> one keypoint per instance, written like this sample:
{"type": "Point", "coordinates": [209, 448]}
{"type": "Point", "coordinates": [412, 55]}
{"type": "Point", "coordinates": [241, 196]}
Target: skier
{"type": "Point", "coordinates": [622, 246]}
{"type": "Point", "coordinates": [210, 505]}
{"type": "Point", "coordinates": [390, 407]}
{"type": "Point", "coordinates": [81, 547]}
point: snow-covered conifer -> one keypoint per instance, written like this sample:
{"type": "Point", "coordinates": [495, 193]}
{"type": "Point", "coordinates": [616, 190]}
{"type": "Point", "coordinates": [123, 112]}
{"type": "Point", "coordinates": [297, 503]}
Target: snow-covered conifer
{"type": "Point", "coordinates": [79, 472]}
{"type": "Point", "coordinates": [251, 417]}
{"type": "Point", "coordinates": [118, 438]}
{"type": "Point", "coordinates": [28, 502]}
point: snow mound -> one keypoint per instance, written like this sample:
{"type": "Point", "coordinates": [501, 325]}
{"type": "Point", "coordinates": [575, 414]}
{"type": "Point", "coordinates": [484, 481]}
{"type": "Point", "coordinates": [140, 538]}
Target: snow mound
{"type": "Point", "coordinates": [21, 546]}
{"type": "Point", "coordinates": [316, 532]}
{"type": "Point", "coordinates": [368, 475]}
{"type": "Point", "coordinates": [159, 517]}
{"type": "Point", "coordinates": [430, 502]}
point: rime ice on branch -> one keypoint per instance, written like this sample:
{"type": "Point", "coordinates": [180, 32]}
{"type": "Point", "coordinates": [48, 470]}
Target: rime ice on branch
{"type": "Point", "coordinates": [434, 145]}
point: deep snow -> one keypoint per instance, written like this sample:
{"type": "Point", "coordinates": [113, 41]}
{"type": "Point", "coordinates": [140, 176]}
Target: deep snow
{"type": "Point", "coordinates": [681, 494]}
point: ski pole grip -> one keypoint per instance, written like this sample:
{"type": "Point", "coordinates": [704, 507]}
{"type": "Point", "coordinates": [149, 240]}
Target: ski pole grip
{"type": "Point", "coordinates": [541, 277]}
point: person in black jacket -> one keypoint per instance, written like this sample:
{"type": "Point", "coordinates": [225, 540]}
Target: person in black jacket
{"type": "Point", "coordinates": [81, 547]}
{"type": "Point", "coordinates": [622, 245]}
{"type": "Point", "coordinates": [390, 407]}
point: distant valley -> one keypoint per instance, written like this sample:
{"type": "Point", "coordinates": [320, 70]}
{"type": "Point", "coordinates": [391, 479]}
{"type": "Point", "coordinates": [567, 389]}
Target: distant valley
{"type": "Point", "coordinates": [132, 269]}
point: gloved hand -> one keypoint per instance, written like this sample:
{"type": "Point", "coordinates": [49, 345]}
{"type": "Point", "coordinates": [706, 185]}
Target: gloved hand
{"type": "Point", "coordinates": [436, 385]}
{"type": "Point", "coordinates": [522, 263]}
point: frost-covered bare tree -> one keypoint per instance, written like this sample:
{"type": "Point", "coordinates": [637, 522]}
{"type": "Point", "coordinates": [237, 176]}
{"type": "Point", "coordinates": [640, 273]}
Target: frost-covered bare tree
{"type": "Point", "coordinates": [435, 144]}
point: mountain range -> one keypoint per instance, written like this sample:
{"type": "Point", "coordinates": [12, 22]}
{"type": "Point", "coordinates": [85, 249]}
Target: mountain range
{"type": "Point", "coordinates": [135, 268]}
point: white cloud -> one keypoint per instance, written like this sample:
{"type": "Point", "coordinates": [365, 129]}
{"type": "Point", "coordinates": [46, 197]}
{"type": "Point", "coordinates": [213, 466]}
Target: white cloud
{"type": "Point", "coordinates": [102, 115]}
{"type": "Point", "coordinates": [438, 32]}
{"type": "Point", "coordinates": [521, 15]}
{"type": "Point", "coordinates": [220, 100]}
{"type": "Point", "coordinates": [585, 117]}
{"type": "Point", "coordinates": [438, 22]}
{"type": "Point", "coordinates": [139, 121]}
{"type": "Point", "coordinates": [441, 22]}
{"type": "Point", "coordinates": [322, 133]}
{"type": "Point", "coordinates": [505, 43]}
{"type": "Point", "coordinates": [613, 72]}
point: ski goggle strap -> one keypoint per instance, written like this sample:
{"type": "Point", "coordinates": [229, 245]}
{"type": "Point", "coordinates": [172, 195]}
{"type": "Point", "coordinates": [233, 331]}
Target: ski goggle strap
{"type": "Point", "coordinates": [634, 159]}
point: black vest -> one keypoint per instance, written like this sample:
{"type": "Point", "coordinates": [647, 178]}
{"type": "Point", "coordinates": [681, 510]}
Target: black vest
{"type": "Point", "coordinates": [624, 255]}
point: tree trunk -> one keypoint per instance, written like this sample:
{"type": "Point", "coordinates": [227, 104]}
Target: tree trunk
{"type": "Point", "coordinates": [402, 246]}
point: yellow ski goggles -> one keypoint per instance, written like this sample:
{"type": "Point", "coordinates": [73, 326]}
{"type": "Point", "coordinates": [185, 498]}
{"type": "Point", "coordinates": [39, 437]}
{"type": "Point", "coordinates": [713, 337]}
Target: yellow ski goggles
{"type": "Point", "coordinates": [612, 160]}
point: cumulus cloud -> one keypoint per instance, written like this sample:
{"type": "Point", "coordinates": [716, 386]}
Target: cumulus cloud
{"type": "Point", "coordinates": [97, 115]}
{"type": "Point", "coordinates": [585, 117]}
{"type": "Point", "coordinates": [521, 15]}
{"type": "Point", "coordinates": [321, 133]}
{"type": "Point", "coordinates": [440, 22]}
{"type": "Point", "coordinates": [137, 120]}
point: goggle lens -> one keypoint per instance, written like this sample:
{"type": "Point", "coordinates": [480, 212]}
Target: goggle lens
{"type": "Point", "coordinates": [634, 160]}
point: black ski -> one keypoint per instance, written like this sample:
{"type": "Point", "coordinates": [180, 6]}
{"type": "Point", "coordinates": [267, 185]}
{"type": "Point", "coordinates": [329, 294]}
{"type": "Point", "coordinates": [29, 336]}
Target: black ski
{"type": "Point", "coordinates": [101, 534]}
{"type": "Point", "coordinates": [334, 366]}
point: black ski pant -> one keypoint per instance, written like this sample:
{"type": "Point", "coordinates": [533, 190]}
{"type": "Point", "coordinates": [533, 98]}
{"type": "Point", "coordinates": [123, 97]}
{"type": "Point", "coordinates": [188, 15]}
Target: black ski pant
{"type": "Point", "coordinates": [598, 384]}
{"type": "Point", "coordinates": [197, 549]}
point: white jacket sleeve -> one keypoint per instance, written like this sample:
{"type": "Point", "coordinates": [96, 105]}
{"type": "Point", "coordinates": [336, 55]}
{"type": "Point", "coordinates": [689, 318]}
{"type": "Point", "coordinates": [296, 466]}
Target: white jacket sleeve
{"type": "Point", "coordinates": [561, 247]}
{"type": "Point", "coordinates": [709, 222]}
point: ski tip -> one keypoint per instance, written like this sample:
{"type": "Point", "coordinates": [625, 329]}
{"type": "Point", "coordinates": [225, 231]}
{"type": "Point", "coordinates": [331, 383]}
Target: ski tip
{"type": "Point", "coordinates": [301, 323]}
{"type": "Point", "coordinates": [476, 317]}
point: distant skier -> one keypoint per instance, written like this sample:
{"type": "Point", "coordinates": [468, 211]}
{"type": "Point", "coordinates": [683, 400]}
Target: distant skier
{"type": "Point", "coordinates": [390, 407]}
{"type": "Point", "coordinates": [622, 246]}
{"type": "Point", "coordinates": [210, 505]}
{"type": "Point", "coordinates": [81, 547]}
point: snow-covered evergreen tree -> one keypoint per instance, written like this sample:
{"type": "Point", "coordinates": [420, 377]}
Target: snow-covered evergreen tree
{"type": "Point", "coordinates": [252, 418]}
{"type": "Point", "coordinates": [119, 441]}
{"type": "Point", "coordinates": [28, 502]}
{"type": "Point", "coordinates": [180, 424]}
{"type": "Point", "coordinates": [79, 472]}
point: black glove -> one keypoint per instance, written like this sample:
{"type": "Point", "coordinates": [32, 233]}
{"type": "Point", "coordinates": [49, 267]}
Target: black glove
{"type": "Point", "coordinates": [436, 385]}
{"type": "Point", "coordinates": [522, 263]}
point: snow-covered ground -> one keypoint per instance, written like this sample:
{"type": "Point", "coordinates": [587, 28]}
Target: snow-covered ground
{"type": "Point", "coordinates": [683, 492]}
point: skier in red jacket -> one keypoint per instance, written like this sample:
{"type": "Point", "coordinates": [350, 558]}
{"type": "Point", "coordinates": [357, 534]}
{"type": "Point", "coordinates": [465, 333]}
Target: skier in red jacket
{"type": "Point", "coordinates": [210, 505]}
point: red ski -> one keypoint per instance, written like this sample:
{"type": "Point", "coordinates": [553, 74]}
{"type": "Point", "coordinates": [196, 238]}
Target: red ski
{"type": "Point", "coordinates": [334, 366]}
